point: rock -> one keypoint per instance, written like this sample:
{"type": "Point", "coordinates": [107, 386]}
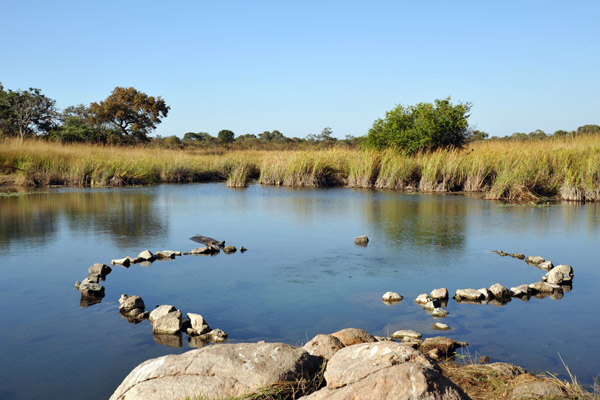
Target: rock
{"type": "Point", "coordinates": [440, 327]}
{"type": "Point", "coordinates": [323, 346]}
{"type": "Point", "coordinates": [93, 278]}
{"type": "Point", "coordinates": [166, 254]}
{"type": "Point", "coordinates": [517, 255]}
{"type": "Point", "coordinates": [146, 255]}
{"type": "Point", "coordinates": [499, 291]}
{"type": "Point", "coordinates": [391, 297]}
{"type": "Point", "coordinates": [487, 295]}
{"type": "Point", "coordinates": [534, 260]}
{"type": "Point", "coordinates": [543, 287]}
{"type": "Point", "coordinates": [406, 333]}
{"type": "Point", "coordinates": [484, 360]}
{"type": "Point", "coordinates": [534, 389]}
{"type": "Point", "coordinates": [432, 305]}
{"type": "Point", "coordinates": [439, 312]}
{"type": "Point", "coordinates": [439, 294]}
{"type": "Point", "coordinates": [170, 323]}
{"type": "Point", "coordinates": [77, 285]}
{"type": "Point", "coordinates": [500, 253]}
{"type": "Point", "coordinates": [205, 250]}
{"type": "Point", "coordinates": [384, 371]}
{"type": "Point", "coordinates": [161, 311]}
{"type": "Point", "coordinates": [125, 262]}
{"type": "Point", "coordinates": [361, 240]}
{"type": "Point", "coordinates": [90, 289]}
{"type": "Point", "coordinates": [447, 347]}
{"type": "Point", "coordinates": [546, 265]}
{"type": "Point", "coordinates": [243, 249]}
{"type": "Point", "coordinates": [565, 269]}
{"type": "Point", "coordinates": [229, 249]}
{"type": "Point", "coordinates": [99, 269]}
{"type": "Point", "coordinates": [128, 303]}
{"type": "Point", "coordinates": [468, 294]}
{"type": "Point", "coordinates": [217, 335]}
{"type": "Point", "coordinates": [197, 323]}
{"type": "Point", "coordinates": [423, 298]}
{"type": "Point", "coordinates": [521, 290]}
{"type": "Point", "coordinates": [554, 276]}
{"type": "Point", "coordinates": [217, 372]}
{"type": "Point", "coordinates": [350, 336]}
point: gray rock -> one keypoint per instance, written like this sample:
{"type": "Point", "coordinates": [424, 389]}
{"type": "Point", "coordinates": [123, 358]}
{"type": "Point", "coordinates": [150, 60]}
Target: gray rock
{"type": "Point", "coordinates": [198, 323]}
{"type": "Point", "coordinates": [323, 346]}
{"type": "Point", "coordinates": [439, 312]}
{"type": "Point", "coordinates": [93, 278]}
{"type": "Point", "coordinates": [125, 262]}
{"type": "Point", "coordinates": [361, 240]}
{"type": "Point", "coordinates": [391, 297]}
{"type": "Point", "coordinates": [128, 303]}
{"type": "Point", "coordinates": [146, 255]}
{"type": "Point", "coordinates": [90, 289]}
{"type": "Point", "coordinates": [537, 389]}
{"type": "Point", "coordinates": [217, 335]}
{"type": "Point", "coordinates": [170, 323]}
{"type": "Point", "coordinates": [440, 327]}
{"type": "Point", "coordinates": [166, 254]}
{"type": "Point", "coordinates": [161, 311]}
{"type": "Point", "coordinates": [439, 294]}
{"type": "Point", "coordinates": [521, 290]}
{"type": "Point", "coordinates": [384, 370]}
{"type": "Point", "coordinates": [543, 287]}
{"type": "Point", "coordinates": [554, 276]}
{"type": "Point", "coordinates": [534, 260]}
{"type": "Point", "coordinates": [350, 336]}
{"type": "Point", "coordinates": [487, 295]}
{"type": "Point", "coordinates": [468, 294]}
{"type": "Point", "coordinates": [546, 265]}
{"type": "Point", "coordinates": [423, 298]}
{"type": "Point", "coordinates": [205, 250]}
{"type": "Point", "coordinates": [565, 269]}
{"type": "Point", "coordinates": [217, 372]}
{"type": "Point", "coordinates": [406, 333]}
{"type": "Point", "coordinates": [499, 291]}
{"type": "Point", "coordinates": [446, 346]}
{"type": "Point", "coordinates": [432, 305]}
{"type": "Point", "coordinates": [99, 269]}
{"type": "Point", "coordinates": [517, 255]}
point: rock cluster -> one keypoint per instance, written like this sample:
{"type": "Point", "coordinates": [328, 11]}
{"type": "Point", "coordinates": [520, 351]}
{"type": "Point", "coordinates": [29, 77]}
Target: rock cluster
{"type": "Point", "coordinates": [90, 288]}
{"type": "Point", "coordinates": [146, 258]}
{"type": "Point", "coordinates": [434, 301]}
{"type": "Point", "coordinates": [132, 308]}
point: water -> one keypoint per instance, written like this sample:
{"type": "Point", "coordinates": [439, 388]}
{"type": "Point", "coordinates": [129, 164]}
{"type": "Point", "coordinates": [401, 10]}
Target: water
{"type": "Point", "coordinates": [301, 276]}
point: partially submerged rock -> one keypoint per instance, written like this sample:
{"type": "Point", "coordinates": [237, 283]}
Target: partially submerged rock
{"type": "Point", "coordinates": [521, 290]}
{"type": "Point", "coordinates": [146, 255]}
{"type": "Point", "coordinates": [125, 262]}
{"type": "Point", "coordinates": [391, 297]}
{"type": "Point", "coordinates": [208, 250]}
{"type": "Point", "coordinates": [161, 311]}
{"type": "Point", "coordinates": [229, 249]}
{"type": "Point", "coordinates": [439, 294]}
{"type": "Point", "coordinates": [517, 255]}
{"type": "Point", "coordinates": [447, 347]}
{"type": "Point", "coordinates": [439, 312]}
{"type": "Point", "coordinates": [423, 298]}
{"type": "Point", "coordinates": [361, 240]}
{"type": "Point", "coordinates": [169, 323]}
{"type": "Point", "coordinates": [499, 291]}
{"type": "Point", "coordinates": [90, 289]}
{"type": "Point", "coordinates": [440, 327]}
{"type": "Point", "coordinates": [128, 303]}
{"type": "Point", "coordinates": [406, 333]}
{"type": "Point", "coordinates": [99, 269]}
{"type": "Point", "coordinates": [166, 254]}
{"type": "Point", "coordinates": [546, 265]}
{"type": "Point", "coordinates": [468, 294]}
{"type": "Point", "coordinates": [534, 260]}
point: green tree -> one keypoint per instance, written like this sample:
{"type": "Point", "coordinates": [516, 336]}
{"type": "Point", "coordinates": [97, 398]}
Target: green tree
{"type": "Point", "coordinates": [563, 133]}
{"type": "Point", "coordinates": [226, 136]}
{"type": "Point", "coordinates": [538, 134]}
{"type": "Point", "coordinates": [132, 113]}
{"type": "Point", "coordinates": [588, 130]}
{"type": "Point", "coordinates": [28, 112]}
{"type": "Point", "coordinates": [478, 135]}
{"type": "Point", "coordinates": [425, 126]}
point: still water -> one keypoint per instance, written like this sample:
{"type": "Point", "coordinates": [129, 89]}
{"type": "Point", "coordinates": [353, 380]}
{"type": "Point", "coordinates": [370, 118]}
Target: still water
{"type": "Point", "coordinates": [302, 275]}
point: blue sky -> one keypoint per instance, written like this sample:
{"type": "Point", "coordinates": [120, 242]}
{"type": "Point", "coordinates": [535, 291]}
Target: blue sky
{"type": "Point", "coordinates": [299, 67]}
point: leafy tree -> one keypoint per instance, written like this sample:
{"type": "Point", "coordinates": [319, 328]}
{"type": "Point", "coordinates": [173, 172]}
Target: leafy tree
{"type": "Point", "coordinates": [588, 129]}
{"type": "Point", "coordinates": [27, 112]}
{"type": "Point", "coordinates": [425, 126]}
{"type": "Point", "coordinates": [272, 136]}
{"type": "Point", "coordinates": [78, 126]}
{"type": "Point", "coordinates": [226, 136]}
{"type": "Point", "coordinates": [519, 136]}
{"type": "Point", "coordinates": [538, 134]}
{"type": "Point", "coordinates": [563, 133]}
{"type": "Point", "coordinates": [132, 113]}
{"type": "Point", "coordinates": [478, 135]}
{"type": "Point", "coordinates": [324, 136]}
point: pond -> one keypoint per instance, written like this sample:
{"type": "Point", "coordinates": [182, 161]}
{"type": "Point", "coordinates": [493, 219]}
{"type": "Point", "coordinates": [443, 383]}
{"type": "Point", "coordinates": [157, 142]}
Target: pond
{"type": "Point", "coordinates": [302, 275]}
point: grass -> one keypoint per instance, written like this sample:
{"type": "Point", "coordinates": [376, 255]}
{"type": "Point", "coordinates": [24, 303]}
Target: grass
{"type": "Point", "coordinates": [563, 168]}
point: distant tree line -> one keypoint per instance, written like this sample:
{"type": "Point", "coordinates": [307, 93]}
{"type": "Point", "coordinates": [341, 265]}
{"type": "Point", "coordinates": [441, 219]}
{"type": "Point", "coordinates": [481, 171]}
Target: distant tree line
{"type": "Point", "coordinates": [127, 116]}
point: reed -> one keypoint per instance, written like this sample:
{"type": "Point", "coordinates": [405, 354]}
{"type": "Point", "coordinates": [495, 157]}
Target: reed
{"type": "Point", "coordinates": [564, 168]}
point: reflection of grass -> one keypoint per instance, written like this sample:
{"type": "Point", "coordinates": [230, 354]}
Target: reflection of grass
{"type": "Point", "coordinates": [565, 168]}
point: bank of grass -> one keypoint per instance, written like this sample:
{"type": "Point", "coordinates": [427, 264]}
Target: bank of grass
{"type": "Point", "coordinates": [564, 168]}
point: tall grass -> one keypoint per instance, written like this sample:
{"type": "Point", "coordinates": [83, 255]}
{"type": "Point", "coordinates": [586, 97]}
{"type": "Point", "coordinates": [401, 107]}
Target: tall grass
{"type": "Point", "coordinates": [565, 168]}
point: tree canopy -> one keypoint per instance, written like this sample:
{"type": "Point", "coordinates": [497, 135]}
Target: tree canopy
{"type": "Point", "coordinates": [424, 126]}
{"type": "Point", "coordinates": [26, 112]}
{"type": "Point", "coordinates": [132, 113]}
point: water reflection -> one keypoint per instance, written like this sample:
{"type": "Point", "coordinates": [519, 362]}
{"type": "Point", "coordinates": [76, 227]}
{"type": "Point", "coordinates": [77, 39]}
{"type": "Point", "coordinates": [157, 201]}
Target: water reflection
{"type": "Point", "coordinates": [127, 217]}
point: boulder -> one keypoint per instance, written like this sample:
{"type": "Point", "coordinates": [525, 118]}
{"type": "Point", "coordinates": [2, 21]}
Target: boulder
{"type": "Point", "coordinates": [499, 291]}
{"type": "Point", "coordinates": [530, 388]}
{"type": "Point", "coordinates": [439, 294]}
{"type": "Point", "coordinates": [440, 327]}
{"type": "Point", "coordinates": [383, 371]}
{"type": "Point", "coordinates": [170, 323]}
{"type": "Point", "coordinates": [517, 255]}
{"type": "Point", "coordinates": [391, 297]}
{"type": "Point", "coordinates": [432, 305]}
{"type": "Point", "coordinates": [361, 240]}
{"type": "Point", "coordinates": [166, 254]}
{"type": "Point", "coordinates": [565, 269]}
{"type": "Point", "coordinates": [323, 346]}
{"type": "Point", "coordinates": [128, 303]}
{"type": "Point", "coordinates": [439, 312]}
{"type": "Point", "coordinates": [534, 260]}
{"type": "Point", "coordinates": [161, 311]}
{"type": "Point", "coordinates": [217, 372]}
{"type": "Point", "coordinates": [90, 289]}
{"type": "Point", "coordinates": [447, 347]}
{"type": "Point", "coordinates": [468, 294]}
{"type": "Point", "coordinates": [543, 287]}
{"type": "Point", "coordinates": [197, 323]}
{"type": "Point", "coordinates": [406, 333]}
{"type": "Point", "coordinates": [146, 255]}
{"type": "Point", "coordinates": [486, 294]}
{"type": "Point", "coordinates": [350, 336]}
{"type": "Point", "coordinates": [206, 250]}
{"type": "Point", "coordinates": [125, 262]}
{"type": "Point", "coordinates": [546, 265]}
{"type": "Point", "coordinates": [229, 249]}
{"type": "Point", "coordinates": [521, 290]}
{"type": "Point", "coordinates": [423, 298]}
{"type": "Point", "coordinates": [555, 277]}
{"type": "Point", "coordinates": [99, 269]}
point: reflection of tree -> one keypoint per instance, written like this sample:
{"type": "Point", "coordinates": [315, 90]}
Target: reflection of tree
{"type": "Point", "coordinates": [421, 220]}
{"type": "Point", "coordinates": [128, 217]}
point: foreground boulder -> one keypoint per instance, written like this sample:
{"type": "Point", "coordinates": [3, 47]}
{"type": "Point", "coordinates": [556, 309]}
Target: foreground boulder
{"type": "Point", "coordinates": [217, 372]}
{"type": "Point", "coordinates": [323, 346]}
{"type": "Point", "coordinates": [384, 370]}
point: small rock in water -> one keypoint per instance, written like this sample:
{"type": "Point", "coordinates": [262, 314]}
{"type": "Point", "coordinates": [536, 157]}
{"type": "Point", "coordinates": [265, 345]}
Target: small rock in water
{"type": "Point", "coordinates": [468, 294]}
{"type": "Point", "coordinates": [439, 313]}
{"type": "Point", "coordinates": [391, 297]}
{"type": "Point", "coordinates": [432, 305]}
{"type": "Point", "coordinates": [91, 289]}
{"type": "Point", "coordinates": [556, 277]}
{"type": "Point", "coordinates": [517, 255]}
{"type": "Point", "coordinates": [565, 269]}
{"type": "Point", "coordinates": [487, 295]}
{"type": "Point", "coordinates": [361, 240]}
{"type": "Point", "coordinates": [146, 255]}
{"type": "Point", "coordinates": [499, 291]}
{"type": "Point", "coordinates": [423, 298]}
{"type": "Point", "coordinates": [500, 253]}
{"type": "Point", "coordinates": [440, 327]}
{"type": "Point", "coordinates": [99, 269]}
{"type": "Point", "coordinates": [125, 262]}
{"type": "Point", "coordinates": [440, 294]}
{"type": "Point", "coordinates": [217, 335]}
{"type": "Point", "coordinates": [521, 290]}
{"type": "Point", "coordinates": [206, 250]}
{"type": "Point", "coordinates": [229, 249]}
{"type": "Point", "coordinates": [243, 249]}
{"type": "Point", "coordinates": [170, 323]}
{"type": "Point", "coordinates": [546, 265]}
{"type": "Point", "coordinates": [161, 311]}
{"type": "Point", "coordinates": [406, 333]}
{"type": "Point", "coordinates": [534, 260]}
{"type": "Point", "coordinates": [166, 254]}
{"type": "Point", "coordinates": [128, 303]}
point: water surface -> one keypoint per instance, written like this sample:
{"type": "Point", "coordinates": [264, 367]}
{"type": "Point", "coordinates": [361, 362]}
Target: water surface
{"type": "Point", "coordinates": [301, 276]}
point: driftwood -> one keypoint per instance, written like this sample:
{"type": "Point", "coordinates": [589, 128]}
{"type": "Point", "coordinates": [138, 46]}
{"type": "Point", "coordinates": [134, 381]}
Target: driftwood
{"type": "Point", "coordinates": [208, 241]}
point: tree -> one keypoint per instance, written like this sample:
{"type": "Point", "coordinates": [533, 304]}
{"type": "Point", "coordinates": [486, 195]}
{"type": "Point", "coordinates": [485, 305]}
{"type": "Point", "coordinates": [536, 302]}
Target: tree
{"type": "Point", "coordinates": [28, 112]}
{"type": "Point", "coordinates": [78, 126]}
{"type": "Point", "coordinates": [588, 129]}
{"type": "Point", "coordinates": [563, 133]}
{"type": "Point", "coordinates": [425, 126]}
{"type": "Point", "coordinates": [478, 135]}
{"type": "Point", "coordinates": [226, 136]}
{"type": "Point", "coordinates": [538, 134]}
{"type": "Point", "coordinates": [132, 113]}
